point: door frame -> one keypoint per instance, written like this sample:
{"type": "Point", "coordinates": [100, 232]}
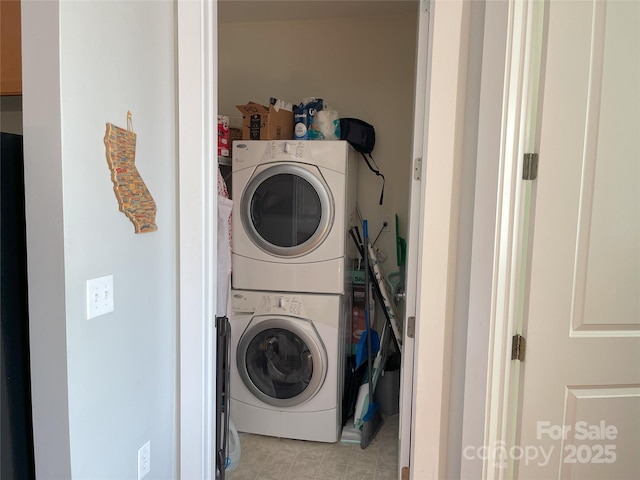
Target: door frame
{"type": "Point", "coordinates": [197, 45]}
{"type": "Point", "coordinates": [413, 237]}
{"type": "Point", "coordinates": [520, 123]}
{"type": "Point", "coordinates": [437, 233]}
{"type": "Point", "coordinates": [442, 59]}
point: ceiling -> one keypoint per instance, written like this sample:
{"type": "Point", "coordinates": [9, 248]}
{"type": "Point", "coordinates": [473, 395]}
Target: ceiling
{"type": "Point", "coordinates": [248, 11]}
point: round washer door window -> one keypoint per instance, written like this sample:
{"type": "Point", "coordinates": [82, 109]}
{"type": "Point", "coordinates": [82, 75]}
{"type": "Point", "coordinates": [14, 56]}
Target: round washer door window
{"type": "Point", "coordinates": [287, 210]}
{"type": "Point", "coordinates": [282, 361]}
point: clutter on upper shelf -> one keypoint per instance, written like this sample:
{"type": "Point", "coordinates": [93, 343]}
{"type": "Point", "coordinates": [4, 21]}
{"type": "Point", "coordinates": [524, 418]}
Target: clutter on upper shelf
{"type": "Point", "coordinates": [314, 120]}
{"type": "Point", "coordinates": [274, 122]}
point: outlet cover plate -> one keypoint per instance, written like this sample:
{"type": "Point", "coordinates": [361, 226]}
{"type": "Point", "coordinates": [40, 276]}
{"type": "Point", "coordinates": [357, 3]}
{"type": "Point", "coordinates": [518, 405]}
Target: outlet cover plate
{"type": "Point", "coordinates": [99, 296]}
{"type": "Point", "coordinates": [144, 460]}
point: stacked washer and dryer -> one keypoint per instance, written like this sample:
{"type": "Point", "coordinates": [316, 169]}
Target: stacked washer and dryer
{"type": "Point", "coordinates": [294, 202]}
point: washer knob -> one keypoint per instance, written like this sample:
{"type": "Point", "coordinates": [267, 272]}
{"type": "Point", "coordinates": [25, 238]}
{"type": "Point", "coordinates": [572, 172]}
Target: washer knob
{"type": "Point", "coordinates": [287, 147]}
{"type": "Point", "coordinates": [282, 303]}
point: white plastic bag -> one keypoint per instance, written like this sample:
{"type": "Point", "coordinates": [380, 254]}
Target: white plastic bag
{"type": "Point", "coordinates": [224, 255]}
{"type": "Point", "coordinates": [328, 124]}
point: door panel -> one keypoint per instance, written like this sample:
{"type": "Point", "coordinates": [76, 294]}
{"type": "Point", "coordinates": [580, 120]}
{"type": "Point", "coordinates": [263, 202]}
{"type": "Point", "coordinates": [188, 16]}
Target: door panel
{"type": "Point", "coordinates": [611, 454]}
{"type": "Point", "coordinates": [607, 281]}
{"type": "Point", "coordinates": [580, 409]}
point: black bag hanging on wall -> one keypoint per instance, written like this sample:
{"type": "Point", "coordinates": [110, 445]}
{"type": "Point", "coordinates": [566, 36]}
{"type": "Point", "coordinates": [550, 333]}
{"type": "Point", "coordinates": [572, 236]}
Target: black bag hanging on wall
{"type": "Point", "coordinates": [362, 137]}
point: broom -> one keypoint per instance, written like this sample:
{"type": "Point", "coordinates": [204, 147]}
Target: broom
{"type": "Point", "coordinates": [372, 421]}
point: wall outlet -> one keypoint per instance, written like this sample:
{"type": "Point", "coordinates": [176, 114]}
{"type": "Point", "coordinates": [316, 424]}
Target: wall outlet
{"type": "Point", "coordinates": [99, 296]}
{"type": "Point", "coordinates": [144, 459]}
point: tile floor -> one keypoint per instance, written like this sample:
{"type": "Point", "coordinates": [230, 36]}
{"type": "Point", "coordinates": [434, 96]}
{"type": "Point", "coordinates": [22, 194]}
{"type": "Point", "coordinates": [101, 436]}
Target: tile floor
{"type": "Point", "coordinates": [270, 458]}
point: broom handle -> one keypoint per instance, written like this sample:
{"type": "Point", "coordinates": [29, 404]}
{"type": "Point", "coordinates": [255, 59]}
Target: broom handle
{"type": "Point", "coordinates": [365, 234]}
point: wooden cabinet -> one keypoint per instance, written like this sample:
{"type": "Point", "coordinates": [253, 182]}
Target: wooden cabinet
{"type": "Point", "coordinates": [10, 48]}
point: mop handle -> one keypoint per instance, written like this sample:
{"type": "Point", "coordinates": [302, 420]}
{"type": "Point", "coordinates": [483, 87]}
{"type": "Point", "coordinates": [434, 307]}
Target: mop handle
{"type": "Point", "coordinates": [365, 234]}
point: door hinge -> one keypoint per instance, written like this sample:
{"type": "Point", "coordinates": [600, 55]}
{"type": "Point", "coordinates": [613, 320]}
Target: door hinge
{"type": "Point", "coordinates": [417, 168]}
{"type": "Point", "coordinates": [411, 327]}
{"type": "Point", "coordinates": [518, 344]}
{"type": "Point", "coordinates": [530, 166]}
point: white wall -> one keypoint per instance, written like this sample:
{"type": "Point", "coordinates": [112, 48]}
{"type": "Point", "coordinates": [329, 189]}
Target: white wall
{"type": "Point", "coordinates": [363, 67]}
{"type": "Point", "coordinates": [101, 387]}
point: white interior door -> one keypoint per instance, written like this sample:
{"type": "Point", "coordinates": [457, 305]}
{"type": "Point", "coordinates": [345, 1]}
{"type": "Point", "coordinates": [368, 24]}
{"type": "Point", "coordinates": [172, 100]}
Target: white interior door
{"type": "Point", "coordinates": [580, 410]}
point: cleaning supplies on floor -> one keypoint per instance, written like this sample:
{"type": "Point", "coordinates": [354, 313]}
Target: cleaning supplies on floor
{"type": "Point", "coordinates": [387, 393]}
{"type": "Point", "coordinates": [367, 416]}
{"type": "Point", "coordinates": [350, 434]}
{"type": "Point", "coordinates": [372, 421]}
{"type": "Point", "coordinates": [233, 454]}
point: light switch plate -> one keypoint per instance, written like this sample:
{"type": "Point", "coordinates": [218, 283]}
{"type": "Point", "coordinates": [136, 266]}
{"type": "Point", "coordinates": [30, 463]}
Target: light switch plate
{"type": "Point", "coordinates": [99, 296]}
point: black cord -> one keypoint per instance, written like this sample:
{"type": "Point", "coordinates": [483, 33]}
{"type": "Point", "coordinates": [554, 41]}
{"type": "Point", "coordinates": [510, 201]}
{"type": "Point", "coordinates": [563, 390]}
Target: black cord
{"type": "Point", "coordinates": [384, 225]}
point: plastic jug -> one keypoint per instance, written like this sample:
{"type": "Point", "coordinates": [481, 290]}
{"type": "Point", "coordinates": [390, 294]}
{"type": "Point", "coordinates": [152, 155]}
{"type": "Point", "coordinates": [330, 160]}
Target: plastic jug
{"type": "Point", "coordinates": [233, 448]}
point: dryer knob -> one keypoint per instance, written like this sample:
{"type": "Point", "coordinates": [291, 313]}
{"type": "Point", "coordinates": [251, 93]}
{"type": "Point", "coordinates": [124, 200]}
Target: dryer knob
{"type": "Point", "coordinates": [287, 147]}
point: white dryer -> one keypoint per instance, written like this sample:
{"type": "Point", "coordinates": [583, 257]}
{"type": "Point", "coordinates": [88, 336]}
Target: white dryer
{"type": "Point", "coordinates": [288, 354]}
{"type": "Point", "coordinates": [294, 204]}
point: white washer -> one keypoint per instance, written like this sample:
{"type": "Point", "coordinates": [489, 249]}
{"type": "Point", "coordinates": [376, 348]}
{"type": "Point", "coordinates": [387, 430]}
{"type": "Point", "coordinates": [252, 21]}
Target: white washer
{"type": "Point", "coordinates": [288, 355]}
{"type": "Point", "coordinates": [294, 204]}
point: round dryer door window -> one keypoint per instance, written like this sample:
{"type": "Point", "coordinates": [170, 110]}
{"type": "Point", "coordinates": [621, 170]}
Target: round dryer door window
{"type": "Point", "coordinates": [287, 210]}
{"type": "Point", "coordinates": [282, 361]}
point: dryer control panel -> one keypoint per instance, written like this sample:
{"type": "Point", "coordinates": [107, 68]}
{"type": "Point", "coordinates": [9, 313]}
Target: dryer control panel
{"type": "Point", "coordinates": [287, 150]}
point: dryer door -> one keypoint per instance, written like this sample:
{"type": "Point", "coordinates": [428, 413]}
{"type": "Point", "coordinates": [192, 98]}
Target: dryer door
{"type": "Point", "coordinates": [282, 360]}
{"type": "Point", "coordinates": [287, 209]}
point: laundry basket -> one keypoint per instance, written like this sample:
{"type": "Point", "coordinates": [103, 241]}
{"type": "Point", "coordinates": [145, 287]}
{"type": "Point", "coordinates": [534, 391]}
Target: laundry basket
{"type": "Point", "coordinates": [233, 455]}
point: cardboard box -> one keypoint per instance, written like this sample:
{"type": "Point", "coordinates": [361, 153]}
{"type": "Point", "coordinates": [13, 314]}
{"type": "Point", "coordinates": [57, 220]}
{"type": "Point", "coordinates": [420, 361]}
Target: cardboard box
{"type": "Point", "coordinates": [265, 123]}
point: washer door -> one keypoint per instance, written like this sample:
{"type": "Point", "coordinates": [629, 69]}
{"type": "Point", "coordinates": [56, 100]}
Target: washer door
{"type": "Point", "coordinates": [287, 209]}
{"type": "Point", "coordinates": [282, 361]}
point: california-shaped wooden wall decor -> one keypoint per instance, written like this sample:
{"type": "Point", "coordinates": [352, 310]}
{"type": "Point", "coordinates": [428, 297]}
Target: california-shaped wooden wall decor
{"type": "Point", "coordinates": [133, 196]}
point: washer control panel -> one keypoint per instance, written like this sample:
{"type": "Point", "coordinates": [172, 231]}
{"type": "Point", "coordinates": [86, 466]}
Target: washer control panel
{"type": "Point", "coordinates": [282, 304]}
{"type": "Point", "coordinates": [271, 303]}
